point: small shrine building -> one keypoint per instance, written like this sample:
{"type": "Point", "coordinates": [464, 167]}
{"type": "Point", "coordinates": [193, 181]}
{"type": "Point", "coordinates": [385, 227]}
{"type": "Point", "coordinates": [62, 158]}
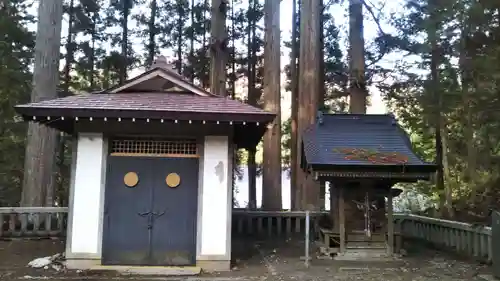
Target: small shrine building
{"type": "Point", "coordinates": [363, 157]}
{"type": "Point", "coordinates": [152, 170]}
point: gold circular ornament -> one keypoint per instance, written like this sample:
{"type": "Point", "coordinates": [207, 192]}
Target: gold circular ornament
{"type": "Point", "coordinates": [173, 180]}
{"type": "Point", "coordinates": [131, 179]}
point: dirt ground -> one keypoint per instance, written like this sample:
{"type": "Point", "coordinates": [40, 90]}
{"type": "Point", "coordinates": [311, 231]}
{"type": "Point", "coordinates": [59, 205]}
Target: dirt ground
{"type": "Point", "coordinates": [273, 261]}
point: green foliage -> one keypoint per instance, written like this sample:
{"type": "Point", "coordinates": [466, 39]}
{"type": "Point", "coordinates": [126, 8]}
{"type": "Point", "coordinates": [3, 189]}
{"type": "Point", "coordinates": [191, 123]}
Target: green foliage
{"type": "Point", "coordinates": [16, 44]}
{"type": "Point", "coordinates": [469, 75]}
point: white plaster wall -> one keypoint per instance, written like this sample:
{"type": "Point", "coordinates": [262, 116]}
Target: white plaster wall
{"type": "Point", "coordinates": [87, 195]}
{"type": "Point", "coordinates": [216, 197]}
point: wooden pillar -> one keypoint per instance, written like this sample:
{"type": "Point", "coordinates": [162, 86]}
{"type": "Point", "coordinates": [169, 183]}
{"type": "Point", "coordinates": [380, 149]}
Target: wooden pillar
{"type": "Point", "coordinates": [322, 194]}
{"type": "Point", "coordinates": [342, 232]}
{"type": "Point", "coordinates": [390, 225]}
{"type": "Point", "coordinates": [334, 207]}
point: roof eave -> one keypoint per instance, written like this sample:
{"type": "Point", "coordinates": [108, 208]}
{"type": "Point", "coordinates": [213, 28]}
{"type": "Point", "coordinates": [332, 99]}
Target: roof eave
{"type": "Point", "coordinates": [28, 112]}
{"type": "Point", "coordinates": [406, 168]}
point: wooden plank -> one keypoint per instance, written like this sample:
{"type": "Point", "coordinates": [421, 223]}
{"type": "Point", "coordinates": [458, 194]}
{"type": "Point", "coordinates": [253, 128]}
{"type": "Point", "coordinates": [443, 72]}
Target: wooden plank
{"type": "Point", "coordinates": [342, 220]}
{"type": "Point", "coordinates": [1, 224]}
{"type": "Point", "coordinates": [29, 210]}
{"type": "Point", "coordinates": [390, 225]}
{"type": "Point", "coordinates": [288, 226]}
{"type": "Point", "coordinates": [270, 226]}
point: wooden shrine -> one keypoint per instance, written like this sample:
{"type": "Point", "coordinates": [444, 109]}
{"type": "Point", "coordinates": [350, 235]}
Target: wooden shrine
{"type": "Point", "coordinates": [363, 157]}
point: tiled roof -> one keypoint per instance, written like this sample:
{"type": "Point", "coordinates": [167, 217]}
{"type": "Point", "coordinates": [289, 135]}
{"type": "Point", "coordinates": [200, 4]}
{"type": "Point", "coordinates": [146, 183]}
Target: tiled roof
{"type": "Point", "coordinates": [379, 133]}
{"type": "Point", "coordinates": [155, 104]}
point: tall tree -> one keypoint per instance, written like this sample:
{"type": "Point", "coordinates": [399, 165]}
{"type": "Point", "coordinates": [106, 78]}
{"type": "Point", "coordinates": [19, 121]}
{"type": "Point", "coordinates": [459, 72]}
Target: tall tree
{"type": "Point", "coordinates": [310, 13]}
{"type": "Point", "coordinates": [271, 173]}
{"type": "Point", "coordinates": [357, 80]}
{"type": "Point", "coordinates": [15, 78]}
{"type": "Point", "coordinates": [39, 174]}
{"type": "Point", "coordinates": [294, 55]}
{"type": "Point", "coordinates": [253, 97]}
{"type": "Point", "coordinates": [218, 45]}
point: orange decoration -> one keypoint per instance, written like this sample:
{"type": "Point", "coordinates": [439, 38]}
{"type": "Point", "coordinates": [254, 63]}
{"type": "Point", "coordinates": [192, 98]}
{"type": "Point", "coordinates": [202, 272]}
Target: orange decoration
{"type": "Point", "coordinates": [373, 156]}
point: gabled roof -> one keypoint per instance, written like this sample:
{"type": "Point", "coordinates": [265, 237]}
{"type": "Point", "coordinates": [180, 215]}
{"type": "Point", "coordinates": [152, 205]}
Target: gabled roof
{"type": "Point", "coordinates": [338, 140]}
{"type": "Point", "coordinates": [159, 74]}
{"type": "Point", "coordinates": [145, 96]}
{"type": "Point", "coordinates": [157, 94]}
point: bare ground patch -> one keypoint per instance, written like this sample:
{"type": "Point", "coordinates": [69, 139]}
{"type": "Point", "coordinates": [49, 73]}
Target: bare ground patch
{"type": "Point", "coordinates": [265, 260]}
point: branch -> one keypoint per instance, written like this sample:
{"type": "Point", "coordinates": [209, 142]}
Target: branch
{"type": "Point", "coordinates": [377, 22]}
{"type": "Point", "coordinates": [370, 10]}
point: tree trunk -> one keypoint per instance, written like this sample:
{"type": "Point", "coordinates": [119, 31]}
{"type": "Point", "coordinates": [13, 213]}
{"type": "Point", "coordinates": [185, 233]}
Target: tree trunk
{"type": "Point", "coordinates": [218, 48]}
{"type": "Point", "coordinates": [92, 57]}
{"type": "Point", "coordinates": [233, 54]}
{"type": "Point", "coordinates": [204, 77]}
{"type": "Point", "coordinates": [435, 86]}
{"type": "Point", "coordinates": [293, 128]}
{"type": "Point", "coordinates": [308, 93]}
{"type": "Point", "coordinates": [252, 100]}
{"type": "Point", "coordinates": [180, 26]}
{"type": "Point", "coordinates": [69, 58]}
{"type": "Point", "coordinates": [191, 44]}
{"type": "Point", "coordinates": [357, 83]}
{"type": "Point", "coordinates": [39, 174]}
{"type": "Point", "coordinates": [152, 33]}
{"type": "Point", "coordinates": [124, 45]}
{"type": "Point", "coordinates": [271, 167]}
{"type": "Point", "coordinates": [446, 173]}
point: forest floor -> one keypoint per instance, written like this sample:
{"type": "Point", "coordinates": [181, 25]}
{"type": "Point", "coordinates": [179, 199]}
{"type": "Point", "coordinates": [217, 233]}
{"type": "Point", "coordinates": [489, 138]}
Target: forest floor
{"type": "Point", "coordinates": [271, 260]}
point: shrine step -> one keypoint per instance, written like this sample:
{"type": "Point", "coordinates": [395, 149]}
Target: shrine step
{"type": "Point", "coordinates": [363, 238]}
{"type": "Point", "coordinates": [370, 245]}
{"type": "Point", "coordinates": [365, 255]}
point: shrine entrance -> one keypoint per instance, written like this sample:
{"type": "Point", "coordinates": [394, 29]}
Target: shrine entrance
{"type": "Point", "coordinates": [361, 215]}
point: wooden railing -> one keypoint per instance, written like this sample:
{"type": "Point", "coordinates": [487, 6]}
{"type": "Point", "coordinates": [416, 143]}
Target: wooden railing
{"type": "Point", "coordinates": [463, 238]}
{"type": "Point", "coordinates": [33, 222]}
{"type": "Point", "coordinates": [273, 224]}
{"type": "Point", "coordinates": [473, 241]}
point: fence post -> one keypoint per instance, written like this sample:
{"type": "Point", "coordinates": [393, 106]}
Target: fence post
{"type": "Point", "coordinates": [306, 262]}
{"type": "Point", "coordinates": [495, 242]}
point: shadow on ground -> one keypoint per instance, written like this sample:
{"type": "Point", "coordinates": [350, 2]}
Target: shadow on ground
{"type": "Point", "coordinates": [257, 260]}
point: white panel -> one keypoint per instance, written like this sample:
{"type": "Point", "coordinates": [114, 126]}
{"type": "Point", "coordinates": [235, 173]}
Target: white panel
{"type": "Point", "coordinates": [215, 196]}
{"type": "Point", "coordinates": [87, 194]}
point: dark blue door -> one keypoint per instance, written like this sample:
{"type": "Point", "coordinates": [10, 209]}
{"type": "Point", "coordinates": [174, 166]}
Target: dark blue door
{"type": "Point", "coordinates": [153, 221]}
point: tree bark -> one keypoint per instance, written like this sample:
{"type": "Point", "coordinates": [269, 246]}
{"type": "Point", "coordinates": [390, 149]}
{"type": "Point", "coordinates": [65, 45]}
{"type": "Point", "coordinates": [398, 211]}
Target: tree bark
{"type": "Point", "coordinates": [39, 171]}
{"type": "Point", "coordinates": [308, 93]}
{"type": "Point", "coordinates": [357, 83]}
{"type": "Point", "coordinates": [180, 28]}
{"type": "Point", "coordinates": [447, 174]}
{"type": "Point", "coordinates": [218, 48]}
{"type": "Point", "coordinates": [435, 86]}
{"type": "Point", "coordinates": [124, 43]}
{"type": "Point", "coordinates": [152, 33]}
{"type": "Point", "coordinates": [252, 100]}
{"type": "Point", "coordinates": [271, 167]}
{"type": "Point", "coordinates": [294, 89]}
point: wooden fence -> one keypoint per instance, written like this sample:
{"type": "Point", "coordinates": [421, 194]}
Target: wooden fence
{"type": "Point", "coordinates": [473, 241]}
{"type": "Point", "coordinates": [463, 238]}
{"type": "Point", "coordinates": [274, 224]}
{"type": "Point", "coordinates": [33, 222]}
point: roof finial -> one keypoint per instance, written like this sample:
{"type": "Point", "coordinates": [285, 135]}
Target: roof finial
{"type": "Point", "coordinates": [162, 62]}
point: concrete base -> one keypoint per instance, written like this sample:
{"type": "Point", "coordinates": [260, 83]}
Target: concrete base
{"type": "Point", "coordinates": [82, 264]}
{"type": "Point", "coordinates": [214, 265]}
{"type": "Point", "coordinates": [205, 265]}
{"type": "Point", "coordinates": [151, 270]}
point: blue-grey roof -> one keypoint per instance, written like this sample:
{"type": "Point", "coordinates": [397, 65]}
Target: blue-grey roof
{"type": "Point", "coordinates": [333, 132]}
